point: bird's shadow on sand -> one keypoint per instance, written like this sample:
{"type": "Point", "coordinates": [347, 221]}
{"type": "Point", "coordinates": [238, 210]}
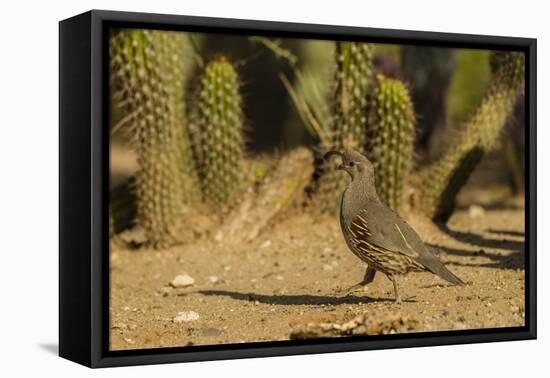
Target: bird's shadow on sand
{"type": "Point", "coordinates": [484, 242]}
{"type": "Point", "coordinates": [507, 232]}
{"type": "Point", "coordinates": [514, 260]}
{"type": "Point", "coordinates": [293, 299]}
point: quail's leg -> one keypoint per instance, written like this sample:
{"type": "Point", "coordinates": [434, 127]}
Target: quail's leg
{"type": "Point", "coordinates": [369, 277]}
{"type": "Point", "coordinates": [394, 282]}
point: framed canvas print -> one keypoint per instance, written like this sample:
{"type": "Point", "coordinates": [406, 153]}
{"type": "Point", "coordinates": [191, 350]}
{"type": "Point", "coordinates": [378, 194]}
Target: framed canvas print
{"type": "Point", "coordinates": [234, 188]}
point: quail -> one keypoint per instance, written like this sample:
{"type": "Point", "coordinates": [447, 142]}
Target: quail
{"type": "Point", "coordinates": [375, 233]}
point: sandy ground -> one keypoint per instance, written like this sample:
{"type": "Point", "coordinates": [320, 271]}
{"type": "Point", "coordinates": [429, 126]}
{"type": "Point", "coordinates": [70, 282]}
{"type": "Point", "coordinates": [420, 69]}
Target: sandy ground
{"type": "Point", "coordinates": [291, 274]}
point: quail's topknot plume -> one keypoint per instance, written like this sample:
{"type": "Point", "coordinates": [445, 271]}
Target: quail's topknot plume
{"type": "Point", "coordinates": [375, 233]}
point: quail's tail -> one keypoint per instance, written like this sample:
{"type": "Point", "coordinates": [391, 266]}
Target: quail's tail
{"type": "Point", "coordinates": [446, 274]}
{"type": "Point", "coordinates": [436, 267]}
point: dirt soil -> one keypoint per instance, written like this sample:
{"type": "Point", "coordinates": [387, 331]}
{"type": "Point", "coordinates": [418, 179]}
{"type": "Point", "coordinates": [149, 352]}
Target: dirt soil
{"type": "Point", "coordinates": [290, 276]}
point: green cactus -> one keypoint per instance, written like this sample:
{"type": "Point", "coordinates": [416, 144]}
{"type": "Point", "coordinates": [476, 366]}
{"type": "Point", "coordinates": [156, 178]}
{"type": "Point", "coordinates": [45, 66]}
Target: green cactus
{"type": "Point", "coordinates": [353, 77]}
{"type": "Point", "coordinates": [439, 183]}
{"type": "Point", "coordinates": [147, 84]}
{"type": "Point", "coordinates": [391, 126]}
{"type": "Point", "coordinates": [175, 66]}
{"type": "Point", "coordinates": [219, 144]}
{"type": "Point", "coordinates": [352, 80]}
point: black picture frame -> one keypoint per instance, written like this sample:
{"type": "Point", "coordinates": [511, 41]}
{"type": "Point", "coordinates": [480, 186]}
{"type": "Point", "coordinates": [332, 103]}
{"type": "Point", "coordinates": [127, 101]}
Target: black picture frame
{"type": "Point", "coordinates": [83, 196]}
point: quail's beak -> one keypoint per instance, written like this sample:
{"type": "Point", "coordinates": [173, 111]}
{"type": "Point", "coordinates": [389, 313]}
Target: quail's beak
{"type": "Point", "coordinates": [340, 167]}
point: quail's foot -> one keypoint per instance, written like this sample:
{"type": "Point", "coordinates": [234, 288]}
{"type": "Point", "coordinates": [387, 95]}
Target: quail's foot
{"type": "Point", "coordinates": [350, 290]}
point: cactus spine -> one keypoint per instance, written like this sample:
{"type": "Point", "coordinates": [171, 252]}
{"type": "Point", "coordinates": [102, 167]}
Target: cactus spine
{"type": "Point", "coordinates": [219, 127]}
{"type": "Point", "coordinates": [391, 126]}
{"type": "Point", "coordinates": [440, 182]}
{"type": "Point", "coordinates": [352, 80]}
{"type": "Point", "coordinates": [149, 93]}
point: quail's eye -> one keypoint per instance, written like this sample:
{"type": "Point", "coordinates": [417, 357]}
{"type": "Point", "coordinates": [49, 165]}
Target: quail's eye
{"type": "Point", "coordinates": [351, 163]}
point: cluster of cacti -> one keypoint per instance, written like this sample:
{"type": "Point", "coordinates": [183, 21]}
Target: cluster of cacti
{"type": "Point", "coordinates": [218, 132]}
{"type": "Point", "coordinates": [439, 183]}
{"type": "Point", "coordinates": [182, 157]}
{"type": "Point", "coordinates": [353, 77]}
{"type": "Point", "coordinates": [391, 124]}
{"type": "Point", "coordinates": [148, 85]}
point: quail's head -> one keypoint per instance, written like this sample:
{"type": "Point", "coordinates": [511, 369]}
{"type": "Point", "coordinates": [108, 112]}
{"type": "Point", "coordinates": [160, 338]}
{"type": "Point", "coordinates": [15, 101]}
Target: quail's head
{"type": "Point", "coordinates": [353, 162]}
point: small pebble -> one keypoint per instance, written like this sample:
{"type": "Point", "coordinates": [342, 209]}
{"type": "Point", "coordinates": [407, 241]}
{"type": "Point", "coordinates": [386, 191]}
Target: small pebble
{"type": "Point", "coordinates": [213, 279]}
{"type": "Point", "coordinates": [186, 316]}
{"type": "Point", "coordinates": [182, 280]}
{"type": "Point", "coordinates": [476, 211]}
{"type": "Point", "coordinates": [266, 244]}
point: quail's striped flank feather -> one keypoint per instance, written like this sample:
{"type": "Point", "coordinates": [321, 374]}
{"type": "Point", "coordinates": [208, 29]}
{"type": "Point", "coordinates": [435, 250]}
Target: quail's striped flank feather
{"type": "Point", "coordinates": [383, 259]}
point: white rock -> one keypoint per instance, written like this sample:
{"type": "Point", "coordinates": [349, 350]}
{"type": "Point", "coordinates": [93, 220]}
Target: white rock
{"type": "Point", "coordinates": [213, 279]}
{"type": "Point", "coordinates": [186, 316]}
{"type": "Point", "coordinates": [182, 280]}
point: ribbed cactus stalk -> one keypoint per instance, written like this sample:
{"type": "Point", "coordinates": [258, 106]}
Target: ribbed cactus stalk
{"type": "Point", "coordinates": [147, 71]}
{"type": "Point", "coordinates": [391, 126]}
{"type": "Point", "coordinates": [219, 144]}
{"type": "Point", "coordinates": [348, 129]}
{"type": "Point", "coordinates": [439, 183]}
{"type": "Point", "coordinates": [175, 65]}
{"type": "Point", "coordinates": [353, 77]}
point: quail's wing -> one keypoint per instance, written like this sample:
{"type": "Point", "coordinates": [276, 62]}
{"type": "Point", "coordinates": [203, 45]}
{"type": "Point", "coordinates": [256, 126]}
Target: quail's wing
{"type": "Point", "coordinates": [382, 227]}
